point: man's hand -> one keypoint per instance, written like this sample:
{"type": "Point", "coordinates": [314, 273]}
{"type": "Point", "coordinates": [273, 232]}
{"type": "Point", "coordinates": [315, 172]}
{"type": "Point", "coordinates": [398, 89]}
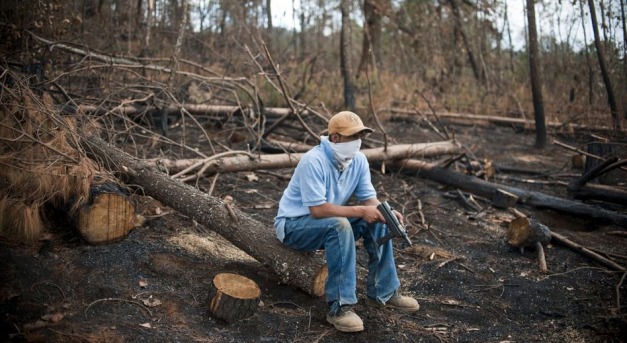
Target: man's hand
{"type": "Point", "coordinates": [399, 216]}
{"type": "Point", "coordinates": [372, 215]}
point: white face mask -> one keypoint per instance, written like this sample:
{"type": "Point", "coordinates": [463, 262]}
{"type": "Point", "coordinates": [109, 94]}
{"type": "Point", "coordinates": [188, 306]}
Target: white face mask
{"type": "Point", "coordinates": [345, 152]}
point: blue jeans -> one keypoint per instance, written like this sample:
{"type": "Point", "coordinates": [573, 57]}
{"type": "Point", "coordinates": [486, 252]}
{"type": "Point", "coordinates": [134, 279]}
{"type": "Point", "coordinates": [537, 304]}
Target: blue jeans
{"type": "Point", "coordinates": [337, 236]}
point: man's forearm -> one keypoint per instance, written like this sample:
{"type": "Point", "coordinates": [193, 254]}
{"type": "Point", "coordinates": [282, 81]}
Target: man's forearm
{"type": "Point", "coordinates": [327, 210]}
{"type": "Point", "coordinates": [371, 202]}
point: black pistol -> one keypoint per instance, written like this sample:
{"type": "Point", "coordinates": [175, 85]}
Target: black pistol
{"type": "Point", "coordinates": [396, 228]}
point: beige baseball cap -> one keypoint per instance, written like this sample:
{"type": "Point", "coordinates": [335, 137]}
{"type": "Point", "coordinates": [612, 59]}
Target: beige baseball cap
{"type": "Point", "coordinates": [347, 123]}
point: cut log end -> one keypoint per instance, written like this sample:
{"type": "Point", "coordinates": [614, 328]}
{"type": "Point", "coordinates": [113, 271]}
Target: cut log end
{"type": "Point", "coordinates": [518, 232]}
{"type": "Point", "coordinates": [525, 232]}
{"type": "Point", "coordinates": [504, 199]}
{"type": "Point", "coordinates": [319, 281]}
{"type": "Point", "coordinates": [108, 219]}
{"type": "Point", "coordinates": [578, 161]}
{"type": "Point", "coordinates": [233, 297]}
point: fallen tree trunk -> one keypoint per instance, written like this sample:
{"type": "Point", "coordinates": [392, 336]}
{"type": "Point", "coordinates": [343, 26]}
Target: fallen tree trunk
{"type": "Point", "coordinates": [305, 271]}
{"type": "Point", "coordinates": [477, 119]}
{"type": "Point", "coordinates": [246, 163]}
{"type": "Point", "coordinates": [580, 189]}
{"type": "Point", "coordinates": [198, 109]}
{"type": "Point", "coordinates": [487, 189]}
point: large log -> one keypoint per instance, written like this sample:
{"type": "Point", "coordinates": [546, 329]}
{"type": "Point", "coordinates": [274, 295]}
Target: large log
{"type": "Point", "coordinates": [487, 189]}
{"type": "Point", "coordinates": [305, 271]}
{"type": "Point", "coordinates": [246, 163]}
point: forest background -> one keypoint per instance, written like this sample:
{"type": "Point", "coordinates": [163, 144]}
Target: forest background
{"type": "Point", "coordinates": [456, 55]}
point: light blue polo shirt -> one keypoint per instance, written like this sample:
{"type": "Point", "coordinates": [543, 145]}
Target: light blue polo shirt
{"type": "Point", "coordinates": [317, 179]}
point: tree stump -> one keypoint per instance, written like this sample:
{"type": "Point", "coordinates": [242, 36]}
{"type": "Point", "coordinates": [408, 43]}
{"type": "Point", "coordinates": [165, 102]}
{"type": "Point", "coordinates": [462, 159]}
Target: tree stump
{"type": "Point", "coordinates": [578, 161]}
{"type": "Point", "coordinates": [109, 216]}
{"type": "Point", "coordinates": [233, 297]}
{"type": "Point", "coordinates": [605, 150]}
{"type": "Point", "coordinates": [525, 232]}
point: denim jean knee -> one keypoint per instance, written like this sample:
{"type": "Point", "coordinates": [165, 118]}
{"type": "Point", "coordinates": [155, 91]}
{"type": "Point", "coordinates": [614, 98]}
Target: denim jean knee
{"type": "Point", "coordinates": [337, 235]}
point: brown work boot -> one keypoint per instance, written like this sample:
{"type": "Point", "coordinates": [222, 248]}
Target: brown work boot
{"type": "Point", "coordinates": [399, 302]}
{"type": "Point", "coordinates": [344, 319]}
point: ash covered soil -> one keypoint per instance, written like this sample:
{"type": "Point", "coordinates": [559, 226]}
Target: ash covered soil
{"type": "Point", "coordinates": [472, 287]}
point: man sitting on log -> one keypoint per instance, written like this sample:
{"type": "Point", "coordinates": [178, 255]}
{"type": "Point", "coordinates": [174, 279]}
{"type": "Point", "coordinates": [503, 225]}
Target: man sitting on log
{"type": "Point", "coordinates": [313, 215]}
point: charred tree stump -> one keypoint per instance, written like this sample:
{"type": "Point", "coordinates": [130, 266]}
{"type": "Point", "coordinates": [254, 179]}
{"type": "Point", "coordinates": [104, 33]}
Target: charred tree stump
{"type": "Point", "coordinates": [525, 232]}
{"type": "Point", "coordinates": [108, 217]}
{"type": "Point", "coordinates": [601, 149]}
{"type": "Point", "coordinates": [581, 189]}
{"type": "Point", "coordinates": [233, 297]}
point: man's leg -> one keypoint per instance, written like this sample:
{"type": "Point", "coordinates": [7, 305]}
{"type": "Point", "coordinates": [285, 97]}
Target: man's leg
{"type": "Point", "coordinates": [382, 278]}
{"type": "Point", "coordinates": [382, 283]}
{"type": "Point", "coordinates": [335, 236]}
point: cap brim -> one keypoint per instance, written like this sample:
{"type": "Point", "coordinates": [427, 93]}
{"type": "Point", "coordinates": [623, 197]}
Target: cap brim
{"type": "Point", "coordinates": [353, 130]}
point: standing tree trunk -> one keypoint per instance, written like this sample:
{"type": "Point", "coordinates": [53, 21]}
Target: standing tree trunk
{"type": "Point", "coordinates": [149, 23]}
{"type": "Point", "coordinates": [346, 66]}
{"type": "Point", "coordinates": [371, 49]}
{"type": "Point", "coordinates": [604, 71]}
{"type": "Point", "coordinates": [302, 37]}
{"type": "Point", "coordinates": [511, 44]}
{"type": "Point", "coordinates": [588, 62]}
{"type": "Point", "coordinates": [478, 72]}
{"type": "Point", "coordinates": [536, 84]}
{"type": "Point", "coordinates": [622, 17]}
{"type": "Point", "coordinates": [269, 27]}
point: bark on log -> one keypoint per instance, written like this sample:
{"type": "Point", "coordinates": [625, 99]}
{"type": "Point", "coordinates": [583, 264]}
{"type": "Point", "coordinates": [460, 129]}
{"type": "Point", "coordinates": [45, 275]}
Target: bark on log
{"type": "Point", "coordinates": [305, 271]}
{"type": "Point", "coordinates": [579, 189]}
{"type": "Point", "coordinates": [476, 119]}
{"type": "Point", "coordinates": [233, 297]}
{"type": "Point", "coordinates": [600, 192]}
{"type": "Point", "coordinates": [245, 163]}
{"type": "Point", "coordinates": [487, 189]}
{"type": "Point", "coordinates": [198, 109]}
{"type": "Point", "coordinates": [504, 199]}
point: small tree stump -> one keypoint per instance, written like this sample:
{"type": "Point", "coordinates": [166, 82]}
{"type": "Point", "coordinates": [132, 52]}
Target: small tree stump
{"type": "Point", "coordinates": [233, 297]}
{"type": "Point", "coordinates": [108, 218]}
{"type": "Point", "coordinates": [524, 232]}
{"type": "Point", "coordinates": [578, 161]}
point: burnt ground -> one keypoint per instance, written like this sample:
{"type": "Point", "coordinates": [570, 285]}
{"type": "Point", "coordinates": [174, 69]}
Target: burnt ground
{"type": "Point", "coordinates": [471, 286]}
